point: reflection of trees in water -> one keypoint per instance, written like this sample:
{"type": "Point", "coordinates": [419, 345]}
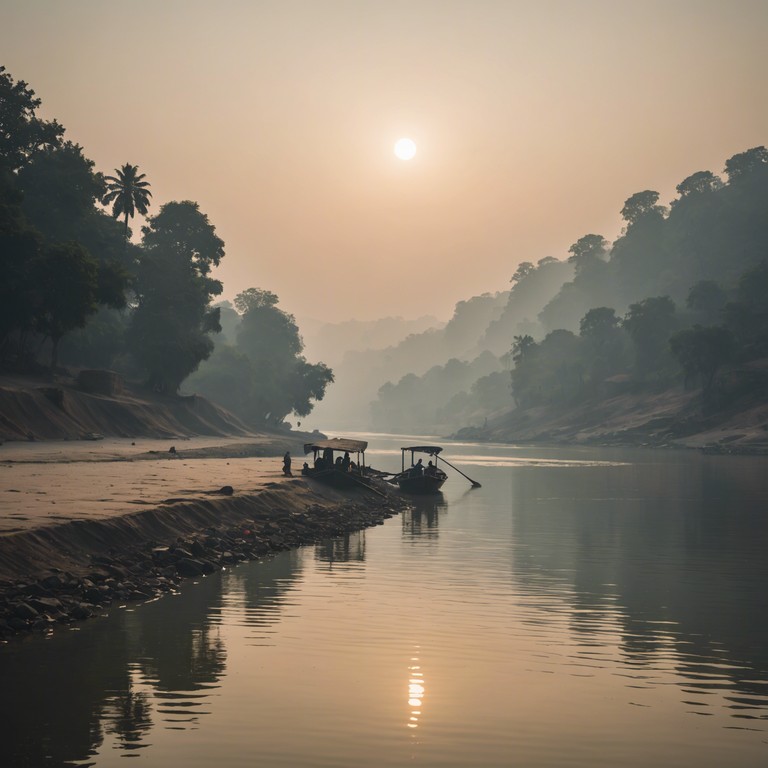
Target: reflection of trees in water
{"type": "Point", "coordinates": [264, 584]}
{"type": "Point", "coordinates": [175, 640]}
{"type": "Point", "coordinates": [128, 716]}
{"type": "Point", "coordinates": [56, 692]}
{"type": "Point", "coordinates": [343, 549]}
{"type": "Point", "coordinates": [681, 566]}
{"type": "Point", "coordinates": [73, 691]}
{"type": "Point", "coordinates": [422, 519]}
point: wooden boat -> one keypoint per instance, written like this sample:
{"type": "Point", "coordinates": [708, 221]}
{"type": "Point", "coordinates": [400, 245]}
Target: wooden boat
{"type": "Point", "coordinates": [332, 463]}
{"type": "Point", "coordinates": [416, 478]}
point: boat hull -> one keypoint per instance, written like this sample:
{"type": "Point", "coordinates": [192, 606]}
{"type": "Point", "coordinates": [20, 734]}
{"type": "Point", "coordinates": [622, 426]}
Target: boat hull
{"type": "Point", "coordinates": [336, 478]}
{"type": "Point", "coordinates": [421, 484]}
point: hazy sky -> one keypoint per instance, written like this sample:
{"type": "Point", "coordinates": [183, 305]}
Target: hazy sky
{"type": "Point", "coordinates": [534, 122]}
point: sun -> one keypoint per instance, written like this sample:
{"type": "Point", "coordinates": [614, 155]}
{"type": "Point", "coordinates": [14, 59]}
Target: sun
{"type": "Point", "coordinates": [405, 149]}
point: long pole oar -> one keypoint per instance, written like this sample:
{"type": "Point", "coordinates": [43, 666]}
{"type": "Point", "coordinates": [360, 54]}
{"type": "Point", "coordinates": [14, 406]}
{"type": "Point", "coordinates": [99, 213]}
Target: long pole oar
{"type": "Point", "coordinates": [475, 484]}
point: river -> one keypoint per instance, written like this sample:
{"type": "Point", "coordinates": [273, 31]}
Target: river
{"type": "Point", "coordinates": [584, 607]}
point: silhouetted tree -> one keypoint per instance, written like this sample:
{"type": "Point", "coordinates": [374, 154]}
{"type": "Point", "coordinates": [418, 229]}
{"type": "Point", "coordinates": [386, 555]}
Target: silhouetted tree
{"type": "Point", "coordinates": [60, 191]}
{"type": "Point", "coordinates": [169, 331]}
{"type": "Point", "coordinates": [702, 351]}
{"type": "Point", "coordinates": [128, 193]}
{"type": "Point", "coordinates": [604, 343]}
{"type": "Point", "coordinates": [650, 323]}
{"type": "Point", "coordinates": [587, 252]}
{"type": "Point", "coordinates": [283, 381]}
{"type": "Point", "coordinates": [699, 183]}
{"type": "Point", "coordinates": [524, 268]}
{"type": "Point", "coordinates": [22, 133]}
{"type": "Point", "coordinates": [522, 347]}
{"type": "Point", "coordinates": [706, 297]}
{"type": "Point", "coordinates": [747, 163]}
{"type": "Point", "coordinates": [67, 281]}
{"type": "Point", "coordinates": [747, 317]}
{"type": "Point", "coordinates": [640, 205]}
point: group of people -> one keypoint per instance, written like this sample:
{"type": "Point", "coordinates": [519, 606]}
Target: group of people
{"type": "Point", "coordinates": [418, 469]}
{"type": "Point", "coordinates": [342, 463]}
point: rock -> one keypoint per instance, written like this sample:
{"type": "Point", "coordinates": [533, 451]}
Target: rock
{"type": "Point", "coordinates": [51, 582]}
{"type": "Point", "coordinates": [197, 549]}
{"type": "Point", "coordinates": [189, 567]}
{"type": "Point", "coordinates": [25, 611]}
{"type": "Point", "coordinates": [46, 604]}
{"type": "Point", "coordinates": [116, 572]}
{"type": "Point", "coordinates": [81, 611]}
{"type": "Point", "coordinates": [17, 624]}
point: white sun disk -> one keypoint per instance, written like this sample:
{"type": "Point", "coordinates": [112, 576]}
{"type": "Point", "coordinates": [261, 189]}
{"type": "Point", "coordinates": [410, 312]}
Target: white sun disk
{"type": "Point", "coordinates": [405, 149]}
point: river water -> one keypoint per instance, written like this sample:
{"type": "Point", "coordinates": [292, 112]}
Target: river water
{"type": "Point", "coordinates": [584, 607]}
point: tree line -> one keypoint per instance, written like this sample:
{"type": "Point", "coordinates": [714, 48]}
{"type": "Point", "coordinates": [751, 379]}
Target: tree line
{"type": "Point", "coordinates": [706, 256]}
{"type": "Point", "coordinates": [681, 293]}
{"type": "Point", "coordinates": [77, 291]}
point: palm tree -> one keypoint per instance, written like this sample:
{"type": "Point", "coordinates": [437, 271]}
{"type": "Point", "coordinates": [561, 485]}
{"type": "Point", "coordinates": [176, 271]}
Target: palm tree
{"type": "Point", "coordinates": [127, 193]}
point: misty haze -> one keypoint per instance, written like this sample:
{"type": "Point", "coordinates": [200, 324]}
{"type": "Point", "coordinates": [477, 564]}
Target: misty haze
{"type": "Point", "coordinates": [384, 383]}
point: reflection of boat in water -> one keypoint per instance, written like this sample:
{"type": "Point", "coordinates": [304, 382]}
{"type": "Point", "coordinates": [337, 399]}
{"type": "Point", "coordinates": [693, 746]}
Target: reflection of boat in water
{"type": "Point", "coordinates": [417, 478]}
{"type": "Point", "coordinates": [422, 517]}
{"type": "Point", "coordinates": [332, 464]}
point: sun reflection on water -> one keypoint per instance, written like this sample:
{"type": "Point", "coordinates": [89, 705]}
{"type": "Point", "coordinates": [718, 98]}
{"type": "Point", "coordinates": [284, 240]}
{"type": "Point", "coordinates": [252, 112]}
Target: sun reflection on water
{"type": "Point", "coordinates": [416, 691]}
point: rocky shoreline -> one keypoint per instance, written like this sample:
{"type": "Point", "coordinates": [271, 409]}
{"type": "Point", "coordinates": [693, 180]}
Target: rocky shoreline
{"type": "Point", "coordinates": [144, 555]}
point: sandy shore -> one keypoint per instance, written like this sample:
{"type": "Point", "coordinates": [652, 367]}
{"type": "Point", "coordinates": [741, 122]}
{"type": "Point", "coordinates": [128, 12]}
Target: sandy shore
{"type": "Point", "coordinates": [82, 525]}
{"type": "Point", "coordinates": [52, 483]}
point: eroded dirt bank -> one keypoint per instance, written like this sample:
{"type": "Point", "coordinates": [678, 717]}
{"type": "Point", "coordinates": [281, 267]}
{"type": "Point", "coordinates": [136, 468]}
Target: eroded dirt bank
{"type": "Point", "coordinates": [57, 574]}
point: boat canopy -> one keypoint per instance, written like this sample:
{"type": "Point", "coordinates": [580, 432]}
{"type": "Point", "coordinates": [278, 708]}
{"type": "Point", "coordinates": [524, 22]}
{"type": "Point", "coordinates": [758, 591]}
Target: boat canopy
{"type": "Point", "coordinates": [432, 450]}
{"type": "Point", "coordinates": [337, 444]}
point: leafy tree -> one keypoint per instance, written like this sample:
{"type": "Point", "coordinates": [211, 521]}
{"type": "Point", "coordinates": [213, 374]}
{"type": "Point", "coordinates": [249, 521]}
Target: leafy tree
{"type": "Point", "coordinates": [605, 345]}
{"type": "Point", "coordinates": [20, 248]}
{"type": "Point", "coordinates": [650, 323]}
{"type": "Point", "coordinates": [225, 377]}
{"type": "Point", "coordinates": [524, 268]}
{"type": "Point", "coordinates": [169, 331]}
{"type": "Point", "coordinates": [60, 189]}
{"type": "Point", "coordinates": [22, 133]}
{"type": "Point", "coordinates": [639, 259]}
{"type": "Point", "coordinates": [283, 380]}
{"type": "Point", "coordinates": [67, 281]}
{"type": "Point", "coordinates": [586, 252]}
{"type": "Point", "coordinates": [706, 297]}
{"type": "Point", "coordinates": [128, 193]}
{"type": "Point", "coordinates": [699, 183]}
{"type": "Point", "coordinates": [747, 317]}
{"type": "Point", "coordinates": [522, 347]}
{"type": "Point", "coordinates": [702, 351]}
{"type": "Point", "coordinates": [746, 163]}
{"type": "Point", "coordinates": [641, 205]}
{"type": "Point", "coordinates": [523, 354]}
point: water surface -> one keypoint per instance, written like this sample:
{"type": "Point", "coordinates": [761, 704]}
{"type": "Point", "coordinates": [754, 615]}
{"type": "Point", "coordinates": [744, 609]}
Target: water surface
{"type": "Point", "coordinates": [585, 607]}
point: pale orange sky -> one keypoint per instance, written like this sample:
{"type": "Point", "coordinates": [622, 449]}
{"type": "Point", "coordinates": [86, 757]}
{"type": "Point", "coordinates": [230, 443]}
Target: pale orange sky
{"type": "Point", "coordinates": [534, 122]}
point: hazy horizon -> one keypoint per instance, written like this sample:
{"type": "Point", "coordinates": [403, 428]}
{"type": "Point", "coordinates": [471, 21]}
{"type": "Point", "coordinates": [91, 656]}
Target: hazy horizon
{"type": "Point", "coordinates": [533, 121]}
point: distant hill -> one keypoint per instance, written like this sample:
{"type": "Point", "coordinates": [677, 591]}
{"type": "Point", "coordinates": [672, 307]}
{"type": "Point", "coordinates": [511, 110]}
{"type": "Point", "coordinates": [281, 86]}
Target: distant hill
{"type": "Point", "coordinates": [330, 342]}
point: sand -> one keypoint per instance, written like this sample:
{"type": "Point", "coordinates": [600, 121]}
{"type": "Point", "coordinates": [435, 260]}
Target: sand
{"type": "Point", "coordinates": [62, 503]}
{"type": "Point", "coordinates": [50, 483]}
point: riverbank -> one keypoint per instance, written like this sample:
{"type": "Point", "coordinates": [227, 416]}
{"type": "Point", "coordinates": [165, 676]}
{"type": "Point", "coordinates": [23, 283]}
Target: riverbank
{"type": "Point", "coordinates": [669, 418]}
{"type": "Point", "coordinates": [80, 531]}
